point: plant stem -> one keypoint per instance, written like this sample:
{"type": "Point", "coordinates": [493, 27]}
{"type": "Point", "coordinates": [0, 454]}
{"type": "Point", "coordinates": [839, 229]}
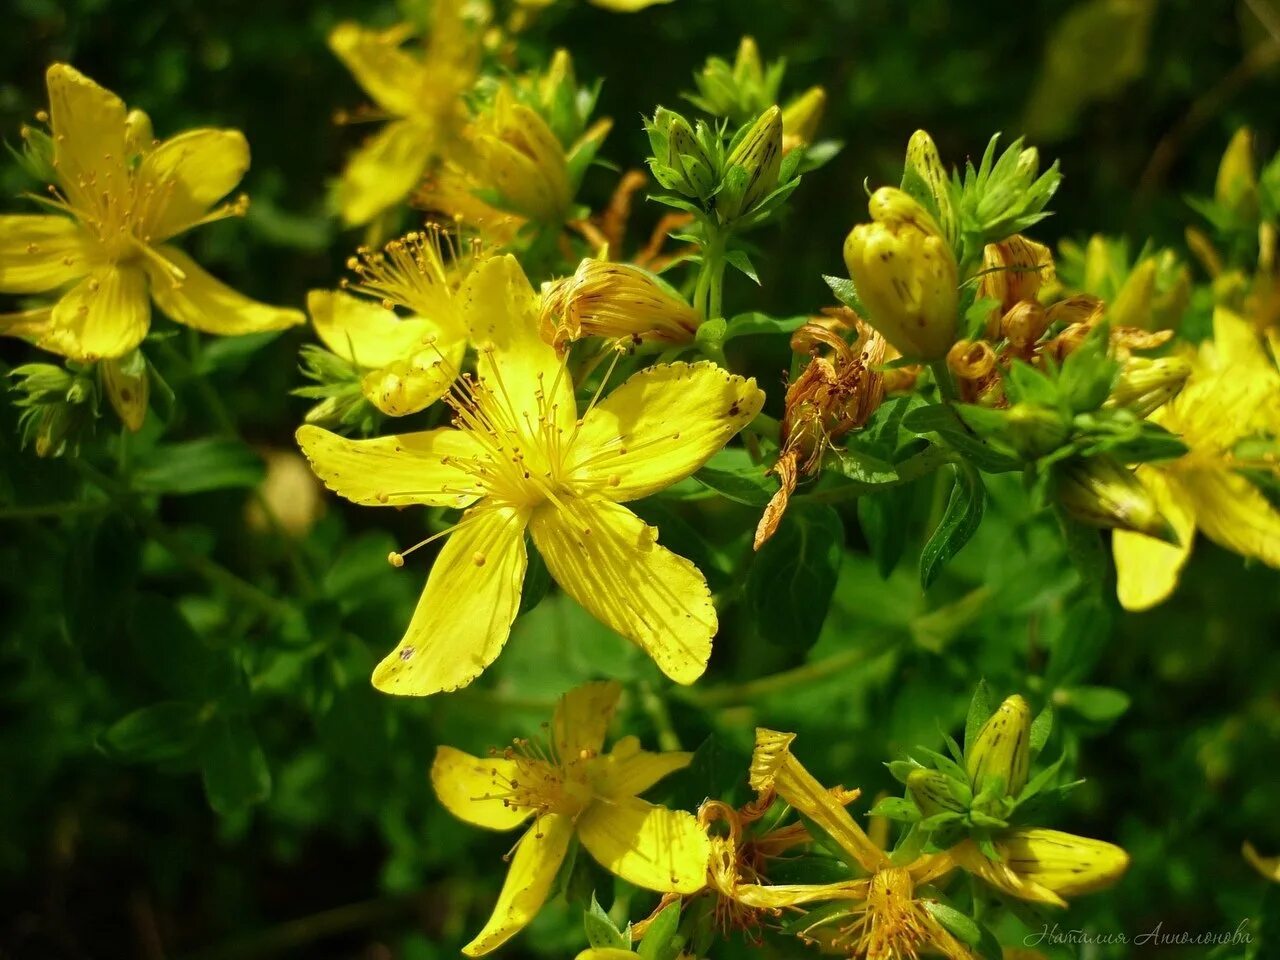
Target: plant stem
{"type": "Point", "coordinates": [734, 694]}
{"type": "Point", "coordinates": [942, 377]}
{"type": "Point", "coordinates": [39, 510]}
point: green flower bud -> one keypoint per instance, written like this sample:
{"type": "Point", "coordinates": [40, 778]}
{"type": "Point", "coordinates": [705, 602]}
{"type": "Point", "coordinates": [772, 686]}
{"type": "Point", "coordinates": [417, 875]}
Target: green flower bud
{"type": "Point", "coordinates": [800, 117]}
{"type": "Point", "coordinates": [1034, 431]}
{"type": "Point", "coordinates": [934, 792]}
{"type": "Point", "coordinates": [1101, 492]}
{"type": "Point", "coordinates": [679, 162]}
{"type": "Point", "coordinates": [1002, 748]}
{"type": "Point", "coordinates": [759, 153]}
{"type": "Point", "coordinates": [905, 274]}
{"type": "Point", "coordinates": [1145, 384]}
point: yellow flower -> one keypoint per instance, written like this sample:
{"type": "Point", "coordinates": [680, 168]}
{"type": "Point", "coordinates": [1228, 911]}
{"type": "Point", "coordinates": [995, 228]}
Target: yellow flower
{"type": "Point", "coordinates": [517, 155]}
{"type": "Point", "coordinates": [120, 196]}
{"type": "Point", "coordinates": [420, 92]}
{"type": "Point", "coordinates": [1268, 867]}
{"type": "Point", "coordinates": [1232, 393]}
{"type": "Point", "coordinates": [570, 788]}
{"type": "Point", "coordinates": [410, 362]}
{"type": "Point", "coordinates": [618, 301]}
{"type": "Point", "coordinates": [520, 458]}
{"type": "Point", "coordinates": [1044, 866]}
{"type": "Point", "coordinates": [885, 918]}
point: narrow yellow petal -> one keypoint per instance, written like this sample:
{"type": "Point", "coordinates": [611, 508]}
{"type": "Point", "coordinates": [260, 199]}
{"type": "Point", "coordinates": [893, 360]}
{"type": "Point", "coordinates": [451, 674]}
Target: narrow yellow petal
{"type": "Point", "coordinates": [609, 560]}
{"type": "Point", "coordinates": [472, 788]}
{"type": "Point", "coordinates": [501, 310]}
{"type": "Point", "coordinates": [583, 716]}
{"type": "Point", "coordinates": [104, 315]}
{"type": "Point", "coordinates": [186, 175]}
{"type": "Point", "coordinates": [1269, 867]}
{"type": "Point", "coordinates": [660, 426]}
{"type": "Point", "coordinates": [89, 138]}
{"type": "Point", "coordinates": [999, 875]}
{"type": "Point", "coordinates": [627, 6]}
{"type": "Point", "coordinates": [39, 253]}
{"type": "Point", "coordinates": [200, 301]}
{"type": "Point", "coordinates": [383, 170]}
{"type": "Point", "coordinates": [648, 845]}
{"type": "Point", "coordinates": [534, 865]}
{"type": "Point", "coordinates": [1147, 569]}
{"type": "Point", "coordinates": [466, 610]}
{"type": "Point", "coordinates": [394, 471]}
{"type": "Point", "coordinates": [1233, 513]}
{"type": "Point", "coordinates": [388, 74]}
{"type": "Point", "coordinates": [629, 771]}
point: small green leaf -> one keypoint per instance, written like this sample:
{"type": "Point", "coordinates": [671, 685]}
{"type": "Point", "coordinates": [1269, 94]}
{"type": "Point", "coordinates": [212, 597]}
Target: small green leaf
{"type": "Point", "coordinates": [791, 579]}
{"type": "Point", "coordinates": [601, 930]}
{"type": "Point", "coordinates": [980, 710]}
{"type": "Point", "coordinates": [660, 941]}
{"type": "Point", "coordinates": [1041, 727]}
{"type": "Point", "coordinates": [198, 466]}
{"type": "Point", "coordinates": [895, 808]}
{"type": "Point", "coordinates": [162, 731]}
{"type": "Point", "coordinates": [739, 260]}
{"type": "Point", "coordinates": [749, 324]}
{"type": "Point", "coordinates": [1095, 704]}
{"type": "Point", "coordinates": [959, 523]}
{"type": "Point", "coordinates": [745, 485]}
{"type": "Point", "coordinates": [959, 925]}
{"type": "Point", "coordinates": [235, 769]}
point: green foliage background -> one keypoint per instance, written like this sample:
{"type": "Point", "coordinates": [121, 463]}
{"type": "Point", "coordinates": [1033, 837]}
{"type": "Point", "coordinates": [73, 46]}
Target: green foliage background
{"type": "Point", "coordinates": [267, 802]}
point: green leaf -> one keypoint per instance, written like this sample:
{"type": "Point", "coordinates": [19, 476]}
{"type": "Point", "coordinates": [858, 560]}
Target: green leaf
{"type": "Point", "coordinates": [895, 808]}
{"type": "Point", "coordinates": [959, 523]}
{"type": "Point", "coordinates": [235, 769]}
{"type": "Point", "coordinates": [980, 711]}
{"type": "Point", "coordinates": [745, 485]}
{"type": "Point", "coordinates": [1041, 728]}
{"type": "Point", "coordinates": [162, 731]}
{"type": "Point", "coordinates": [1095, 704]}
{"type": "Point", "coordinates": [749, 324]}
{"type": "Point", "coordinates": [791, 579]}
{"type": "Point", "coordinates": [601, 930]}
{"type": "Point", "coordinates": [660, 941]}
{"type": "Point", "coordinates": [846, 293]}
{"type": "Point", "coordinates": [173, 654]}
{"type": "Point", "coordinates": [942, 419]}
{"type": "Point", "coordinates": [885, 521]}
{"type": "Point", "coordinates": [959, 925]}
{"type": "Point", "coordinates": [739, 260]}
{"type": "Point", "coordinates": [198, 466]}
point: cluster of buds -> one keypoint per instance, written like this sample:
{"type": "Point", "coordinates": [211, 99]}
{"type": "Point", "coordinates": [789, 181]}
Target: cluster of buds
{"type": "Point", "coordinates": [839, 389]}
{"type": "Point", "coordinates": [906, 275]}
{"type": "Point", "coordinates": [59, 405]}
{"type": "Point", "coordinates": [1002, 197]}
{"type": "Point", "coordinates": [620, 302]}
{"type": "Point", "coordinates": [740, 91]}
{"type": "Point", "coordinates": [1149, 294]}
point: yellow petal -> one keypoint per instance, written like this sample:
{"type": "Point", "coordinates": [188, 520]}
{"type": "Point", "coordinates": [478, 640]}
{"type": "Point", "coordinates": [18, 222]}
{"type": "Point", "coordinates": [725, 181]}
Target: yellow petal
{"type": "Point", "coordinates": [384, 169]}
{"type": "Point", "coordinates": [501, 310]}
{"type": "Point", "coordinates": [466, 610]}
{"type": "Point", "coordinates": [1061, 862]}
{"type": "Point", "coordinates": [609, 560]}
{"type": "Point", "coordinates": [583, 716]}
{"type": "Point", "coordinates": [999, 875]}
{"type": "Point", "coordinates": [104, 315]}
{"type": "Point", "coordinates": [1147, 569]}
{"type": "Point", "coordinates": [628, 770]}
{"type": "Point", "coordinates": [365, 332]}
{"type": "Point", "coordinates": [388, 74]}
{"type": "Point", "coordinates": [472, 788]}
{"type": "Point", "coordinates": [627, 6]}
{"type": "Point", "coordinates": [534, 865]}
{"type": "Point", "coordinates": [200, 301]}
{"type": "Point", "coordinates": [605, 953]}
{"type": "Point", "coordinates": [1269, 867]}
{"type": "Point", "coordinates": [31, 325]}
{"type": "Point", "coordinates": [394, 471]}
{"type": "Point", "coordinates": [1236, 346]}
{"type": "Point", "coordinates": [89, 138]}
{"type": "Point", "coordinates": [660, 426]}
{"type": "Point", "coordinates": [39, 253]}
{"type": "Point", "coordinates": [1233, 513]}
{"type": "Point", "coordinates": [648, 845]}
{"type": "Point", "coordinates": [187, 175]}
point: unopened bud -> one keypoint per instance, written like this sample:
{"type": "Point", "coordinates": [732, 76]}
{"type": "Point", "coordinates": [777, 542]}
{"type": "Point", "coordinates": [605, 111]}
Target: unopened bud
{"type": "Point", "coordinates": [1002, 748]}
{"type": "Point", "coordinates": [1145, 384]}
{"type": "Point", "coordinates": [924, 172]}
{"type": "Point", "coordinates": [935, 792]}
{"type": "Point", "coordinates": [1132, 305]}
{"type": "Point", "coordinates": [1034, 431]}
{"type": "Point", "coordinates": [1014, 270]}
{"type": "Point", "coordinates": [905, 274]}
{"type": "Point", "coordinates": [1103, 493]}
{"type": "Point", "coordinates": [759, 153]}
{"type": "Point", "coordinates": [1024, 324]}
{"type": "Point", "coordinates": [1061, 862]}
{"type": "Point", "coordinates": [1237, 185]}
{"type": "Point", "coordinates": [800, 117]}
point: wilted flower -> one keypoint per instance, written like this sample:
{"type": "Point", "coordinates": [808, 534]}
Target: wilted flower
{"type": "Point", "coordinates": [616, 301]}
{"type": "Point", "coordinates": [1100, 492]}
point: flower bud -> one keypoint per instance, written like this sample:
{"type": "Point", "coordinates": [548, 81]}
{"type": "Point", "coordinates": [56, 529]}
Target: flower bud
{"type": "Point", "coordinates": [679, 162]}
{"type": "Point", "coordinates": [127, 385]}
{"type": "Point", "coordinates": [1061, 862]}
{"type": "Point", "coordinates": [800, 118]}
{"type": "Point", "coordinates": [1103, 493]}
{"type": "Point", "coordinates": [1002, 748]}
{"type": "Point", "coordinates": [923, 170]}
{"type": "Point", "coordinates": [618, 301]}
{"type": "Point", "coordinates": [1132, 305]}
{"type": "Point", "coordinates": [1145, 384]}
{"type": "Point", "coordinates": [935, 792]}
{"type": "Point", "coordinates": [519, 158]}
{"type": "Point", "coordinates": [1024, 324]}
{"type": "Point", "coordinates": [1237, 185]}
{"type": "Point", "coordinates": [1013, 271]}
{"type": "Point", "coordinates": [1034, 431]}
{"type": "Point", "coordinates": [905, 274]}
{"type": "Point", "coordinates": [759, 153]}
